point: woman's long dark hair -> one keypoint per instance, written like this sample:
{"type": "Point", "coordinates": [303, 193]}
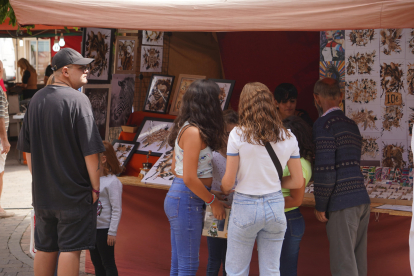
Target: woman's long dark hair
{"type": "Point", "coordinates": [201, 107]}
{"type": "Point", "coordinates": [303, 134]}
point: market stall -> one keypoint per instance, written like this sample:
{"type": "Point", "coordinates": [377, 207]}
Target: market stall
{"type": "Point", "coordinates": [165, 63]}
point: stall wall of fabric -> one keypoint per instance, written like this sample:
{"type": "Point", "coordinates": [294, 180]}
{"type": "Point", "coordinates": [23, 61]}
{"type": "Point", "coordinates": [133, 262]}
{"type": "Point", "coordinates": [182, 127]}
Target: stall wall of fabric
{"type": "Point", "coordinates": [272, 58]}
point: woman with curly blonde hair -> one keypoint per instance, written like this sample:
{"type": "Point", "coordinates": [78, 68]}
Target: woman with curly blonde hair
{"type": "Point", "coordinates": [258, 204]}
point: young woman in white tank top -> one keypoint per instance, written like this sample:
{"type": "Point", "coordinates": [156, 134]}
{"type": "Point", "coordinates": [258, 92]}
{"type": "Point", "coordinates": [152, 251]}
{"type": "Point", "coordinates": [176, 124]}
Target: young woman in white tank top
{"type": "Point", "coordinates": [198, 129]}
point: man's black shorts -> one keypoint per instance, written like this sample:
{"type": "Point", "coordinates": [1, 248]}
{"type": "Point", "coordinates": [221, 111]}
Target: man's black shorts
{"type": "Point", "coordinates": [66, 230]}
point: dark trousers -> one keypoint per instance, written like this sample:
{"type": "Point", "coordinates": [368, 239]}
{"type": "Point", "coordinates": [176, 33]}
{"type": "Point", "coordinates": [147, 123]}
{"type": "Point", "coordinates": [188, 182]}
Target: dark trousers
{"type": "Point", "coordinates": [347, 234]}
{"type": "Point", "coordinates": [290, 248]}
{"type": "Point", "coordinates": [217, 249]}
{"type": "Point", "coordinates": [103, 256]}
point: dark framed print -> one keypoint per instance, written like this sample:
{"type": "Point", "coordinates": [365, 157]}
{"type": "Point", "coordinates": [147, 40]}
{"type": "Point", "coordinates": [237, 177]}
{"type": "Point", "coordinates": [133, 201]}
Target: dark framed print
{"type": "Point", "coordinates": [124, 150]}
{"type": "Point", "coordinates": [97, 44]}
{"type": "Point", "coordinates": [183, 83]}
{"type": "Point", "coordinates": [126, 54]}
{"type": "Point", "coordinates": [226, 88]}
{"type": "Point", "coordinates": [159, 92]}
{"type": "Point", "coordinates": [100, 97]}
{"type": "Point", "coordinates": [153, 135]}
{"type": "Point", "coordinates": [122, 99]}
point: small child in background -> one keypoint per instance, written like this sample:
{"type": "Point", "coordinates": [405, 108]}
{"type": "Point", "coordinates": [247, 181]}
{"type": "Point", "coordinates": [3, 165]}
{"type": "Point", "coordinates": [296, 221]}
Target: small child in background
{"type": "Point", "coordinates": [217, 247]}
{"type": "Point", "coordinates": [109, 214]}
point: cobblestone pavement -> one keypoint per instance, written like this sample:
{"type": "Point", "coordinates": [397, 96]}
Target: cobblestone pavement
{"type": "Point", "coordinates": [15, 258]}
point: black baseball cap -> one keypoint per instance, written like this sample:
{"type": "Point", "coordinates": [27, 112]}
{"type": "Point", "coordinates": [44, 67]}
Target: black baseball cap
{"type": "Point", "coordinates": [68, 56]}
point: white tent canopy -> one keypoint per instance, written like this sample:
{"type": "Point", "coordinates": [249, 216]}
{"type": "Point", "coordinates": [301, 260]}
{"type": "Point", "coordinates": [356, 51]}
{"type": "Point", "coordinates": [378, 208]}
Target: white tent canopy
{"type": "Point", "coordinates": [218, 15]}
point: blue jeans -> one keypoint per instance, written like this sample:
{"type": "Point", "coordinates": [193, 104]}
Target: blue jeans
{"type": "Point", "coordinates": [290, 248]}
{"type": "Point", "coordinates": [217, 248]}
{"type": "Point", "coordinates": [255, 217]}
{"type": "Point", "coordinates": [186, 213]}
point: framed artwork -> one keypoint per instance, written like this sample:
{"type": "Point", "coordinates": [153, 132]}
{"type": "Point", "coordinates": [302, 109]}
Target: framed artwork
{"type": "Point", "coordinates": [152, 38]}
{"type": "Point", "coordinates": [124, 150]}
{"type": "Point", "coordinates": [122, 98]}
{"type": "Point", "coordinates": [100, 97]}
{"type": "Point", "coordinates": [159, 92]}
{"type": "Point", "coordinates": [126, 54]}
{"type": "Point", "coordinates": [153, 135]}
{"type": "Point", "coordinates": [96, 44]}
{"type": "Point", "coordinates": [226, 88]}
{"type": "Point", "coordinates": [184, 82]}
{"type": "Point", "coordinates": [161, 172]}
{"type": "Point", "coordinates": [151, 59]}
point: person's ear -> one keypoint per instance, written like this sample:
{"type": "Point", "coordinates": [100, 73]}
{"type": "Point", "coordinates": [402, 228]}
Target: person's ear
{"type": "Point", "coordinates": [277, 104]}
{"type": "Point", "coordinates": [341, 97]}
{"type": "Point", "coordinates": [103, 159]}
{"type": "Point", "coordinates": [317, 99]}
{"type": "Point", "coordinates": [65, 72]}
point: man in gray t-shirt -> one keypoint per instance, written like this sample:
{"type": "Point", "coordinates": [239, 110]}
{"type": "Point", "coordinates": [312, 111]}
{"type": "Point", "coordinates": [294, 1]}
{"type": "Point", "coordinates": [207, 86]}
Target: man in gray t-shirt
{"type": "Point", "coordinates": [62, 143]}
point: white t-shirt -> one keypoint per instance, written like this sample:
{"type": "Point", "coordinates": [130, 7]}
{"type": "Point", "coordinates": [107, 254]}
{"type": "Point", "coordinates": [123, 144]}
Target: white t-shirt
{"type": "Point", "coordinates": [257, 174]}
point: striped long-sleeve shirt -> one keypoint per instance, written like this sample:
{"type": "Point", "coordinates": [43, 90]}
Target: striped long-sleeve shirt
{"type": "Point", "coordinates": [338, 181]}
{"type": "Point", "coordinates": [4, 108]}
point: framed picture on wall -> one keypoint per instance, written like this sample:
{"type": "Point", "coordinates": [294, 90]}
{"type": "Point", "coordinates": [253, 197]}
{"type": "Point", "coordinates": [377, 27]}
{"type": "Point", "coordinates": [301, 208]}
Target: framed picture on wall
{"type": "Point", "coordinates": [151, 58]}
{"type": "Point", "coordinates": [96, 44]}
{"type": "Point", "coordinates": [159, 92]}
{"type": "Point", "coordinates": [124, 150]}
{"type": "Point", "coordinates": [153, 135]}
{"type": "Point", "coordinates": [183, 83]}
{"type": "Point", "coordinates": [100, 97]}
{"type": "Point", "coordinates": [152, 38]}
{"type": "Point", "coordinates": [126, 54]}
{"type": "Point", "coordinates": [123, 88]}
{"type": "Point", "coordinates": [226, 88]}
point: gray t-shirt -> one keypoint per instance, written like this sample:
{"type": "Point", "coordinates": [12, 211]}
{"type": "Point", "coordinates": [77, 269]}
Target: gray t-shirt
{"type": "Point", "coordinates": [59, 131]}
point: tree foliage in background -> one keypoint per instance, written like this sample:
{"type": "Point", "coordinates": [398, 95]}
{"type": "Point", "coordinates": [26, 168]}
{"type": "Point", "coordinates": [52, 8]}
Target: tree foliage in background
{"type": "Point", "coordinates": [6, 11]}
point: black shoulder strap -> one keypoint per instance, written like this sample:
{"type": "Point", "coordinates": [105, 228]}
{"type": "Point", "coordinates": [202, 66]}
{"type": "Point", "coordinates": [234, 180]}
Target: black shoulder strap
{"type": "Point", "coordinates": [275, 160]}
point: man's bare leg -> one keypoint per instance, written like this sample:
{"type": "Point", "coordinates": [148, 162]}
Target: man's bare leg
{"type": "Point", "coordinates": [69, 263]}
{"type": "Point", "coordinates": [1, 189]}
{"type": "Point", "coordinates": [45, 263]}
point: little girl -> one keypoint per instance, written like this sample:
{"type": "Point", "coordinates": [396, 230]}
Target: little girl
{"type": "Point", "coordinates": [109, 214]}
{"type": "Point", "coordinates": [217, 247]}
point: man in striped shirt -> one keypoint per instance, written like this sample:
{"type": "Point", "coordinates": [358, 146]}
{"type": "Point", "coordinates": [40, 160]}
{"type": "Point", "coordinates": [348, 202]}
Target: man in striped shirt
{"type": "Point", "coordinates": [4, 142]}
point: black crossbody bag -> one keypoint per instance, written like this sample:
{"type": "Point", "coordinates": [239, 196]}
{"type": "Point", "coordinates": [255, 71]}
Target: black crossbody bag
{"type": "Point", "coordinates": [275, 160]}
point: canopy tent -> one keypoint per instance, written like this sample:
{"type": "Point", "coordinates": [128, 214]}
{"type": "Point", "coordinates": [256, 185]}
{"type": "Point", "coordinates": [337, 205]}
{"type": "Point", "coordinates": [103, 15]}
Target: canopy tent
{"type": "Point", "coordinates": [218, 15]}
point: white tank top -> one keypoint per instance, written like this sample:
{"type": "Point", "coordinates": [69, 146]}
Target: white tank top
{"type": "Point", "coordinates": [205, 167]}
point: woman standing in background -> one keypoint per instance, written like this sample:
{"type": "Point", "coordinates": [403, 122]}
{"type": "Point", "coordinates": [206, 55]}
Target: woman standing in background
{"type": "Point", "coordinates": [29, 78]}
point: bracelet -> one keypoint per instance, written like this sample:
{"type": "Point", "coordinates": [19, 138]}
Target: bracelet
{"type": "Point", "coordinates": [211, 201]}
{"type": "Point", "coordinates": [96, 192]}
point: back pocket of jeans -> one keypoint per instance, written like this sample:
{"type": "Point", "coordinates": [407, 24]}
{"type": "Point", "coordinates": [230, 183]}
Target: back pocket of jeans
{"type": "Point", "coordinates": [244, 213]}
{"type": "Point", "coordinates": [278, 210]}
{"type": "Point", "coordinates": [297, 226]}
{"type": "Point", "coordinates": [171, 206]}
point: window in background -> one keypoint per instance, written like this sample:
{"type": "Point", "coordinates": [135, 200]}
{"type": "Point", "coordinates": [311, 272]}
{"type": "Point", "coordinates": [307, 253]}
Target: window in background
{"type": "Point", "coordinates": [8, 57]}
{"type": "Point", "coordinates": [38, 54]}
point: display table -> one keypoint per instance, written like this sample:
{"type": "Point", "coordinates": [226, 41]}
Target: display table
{"type": "Point", "coordinates": [143, 240]}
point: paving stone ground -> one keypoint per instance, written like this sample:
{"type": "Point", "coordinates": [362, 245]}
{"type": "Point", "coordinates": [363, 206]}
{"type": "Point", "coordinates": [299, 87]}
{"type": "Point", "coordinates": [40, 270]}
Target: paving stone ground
{"type": "Point", "coordinates": [15, 258]}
